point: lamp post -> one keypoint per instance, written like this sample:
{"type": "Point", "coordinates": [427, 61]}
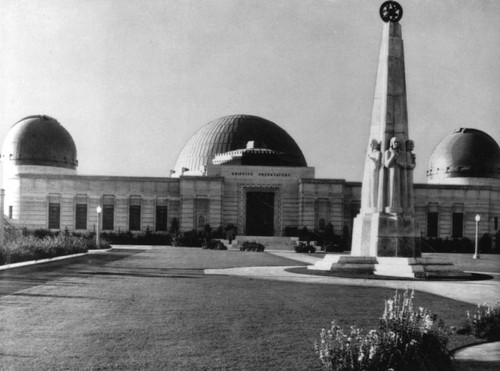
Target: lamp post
{"type": "Point", "coordinates": [476, 253]}
{"type": "Point", "coordinates": [97, 237]}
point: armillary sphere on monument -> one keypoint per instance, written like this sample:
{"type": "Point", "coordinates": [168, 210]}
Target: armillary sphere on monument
{"type": "Point", "coordinates": [391, 11]}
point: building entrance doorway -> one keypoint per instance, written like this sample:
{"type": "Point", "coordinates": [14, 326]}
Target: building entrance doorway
{"type": "Point", "coordinates": [260, 214]}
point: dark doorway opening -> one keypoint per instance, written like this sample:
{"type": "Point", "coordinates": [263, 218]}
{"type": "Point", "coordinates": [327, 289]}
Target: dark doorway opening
{"type": "Point", "coordinates": [260, 214]}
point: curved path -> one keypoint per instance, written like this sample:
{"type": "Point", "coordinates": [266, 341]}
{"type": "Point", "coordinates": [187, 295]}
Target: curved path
{"type": "Point", "coordinates": [474, 292]}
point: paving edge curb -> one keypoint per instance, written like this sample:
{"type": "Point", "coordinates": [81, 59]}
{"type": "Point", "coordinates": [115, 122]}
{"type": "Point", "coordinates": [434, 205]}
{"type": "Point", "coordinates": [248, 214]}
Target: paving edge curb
{"type": "Point", "coordinates": [48, 260]}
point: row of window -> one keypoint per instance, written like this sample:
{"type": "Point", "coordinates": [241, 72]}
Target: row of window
{"type": "Point", "coordinates": [457, 225]}
{"type": "Point", "coordinates": [108, 217]}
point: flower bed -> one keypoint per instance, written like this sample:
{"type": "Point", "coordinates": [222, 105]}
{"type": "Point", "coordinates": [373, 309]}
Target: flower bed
{"type": "Point", "coordinates": [407, 339]}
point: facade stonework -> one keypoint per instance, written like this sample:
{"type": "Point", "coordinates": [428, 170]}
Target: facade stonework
{"type": "Point", "coordinates": [220, 200]}
{"type": "Point", "coordinates": [256, 197]}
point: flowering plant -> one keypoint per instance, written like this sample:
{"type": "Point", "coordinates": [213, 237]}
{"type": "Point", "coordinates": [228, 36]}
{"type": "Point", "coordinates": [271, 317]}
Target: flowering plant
{"type": "Point", "coordinates": [485, 322]}
{"type": "Point", "coordinates": [407, 339]}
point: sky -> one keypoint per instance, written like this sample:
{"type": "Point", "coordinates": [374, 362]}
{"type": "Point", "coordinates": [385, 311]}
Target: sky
{"type": "Point", "coordinates": [133, 80]}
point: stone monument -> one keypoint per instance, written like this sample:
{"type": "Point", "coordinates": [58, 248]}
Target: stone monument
{"type": "Point", "coordinates": [384, 232]}
{"type": "Point", "coordinates": [386, 224]}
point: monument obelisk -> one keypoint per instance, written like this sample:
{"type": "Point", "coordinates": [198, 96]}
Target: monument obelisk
{"type": "Point", "coordinates": [383, 238]}
{"type": "Point", "coordinates": [385, 225]}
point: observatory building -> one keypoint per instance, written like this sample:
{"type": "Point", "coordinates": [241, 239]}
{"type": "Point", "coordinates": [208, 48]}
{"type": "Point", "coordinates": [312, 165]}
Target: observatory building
{"type": "Point", "coordinates": [241, 170]}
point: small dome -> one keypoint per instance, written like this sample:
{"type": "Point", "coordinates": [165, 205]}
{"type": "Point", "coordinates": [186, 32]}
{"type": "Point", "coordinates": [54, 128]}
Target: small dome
{"type": "Point", "coordinates": [465, 153]}
{"type": "Point", "coordinates": [40, 141]}
{"type": "Point", "coordinates": [232, 133]}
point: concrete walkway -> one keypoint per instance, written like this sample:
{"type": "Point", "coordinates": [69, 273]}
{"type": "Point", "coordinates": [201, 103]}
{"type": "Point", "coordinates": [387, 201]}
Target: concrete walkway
{"type": "Point", "coordinates": [479, 357]}
{"type": "Point", "coordinates": [473, 292]}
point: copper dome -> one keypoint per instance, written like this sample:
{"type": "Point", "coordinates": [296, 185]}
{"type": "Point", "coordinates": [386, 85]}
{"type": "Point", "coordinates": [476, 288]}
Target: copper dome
{"type": "Point", "coordinates": [42, 141]}
{"type": "Point", "coordinates": [231, 133]}
{"type": "Point", "coordinates": [465, 153]}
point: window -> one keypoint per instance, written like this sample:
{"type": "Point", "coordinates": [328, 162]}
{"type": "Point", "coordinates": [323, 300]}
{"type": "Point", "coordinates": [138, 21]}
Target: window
{"type": "Point", "coordinates": [432, 224]}
{"type": "Point", "coordinates": [134, 220]}
{"type": "Point", "coordinates": [81, 212]}
{"type": "Point", "coordinates": [108, 212]}
{"type": "Point", "coordinates": [54, 211]}
{"type": "Point", "coordinates": [161, 218]}
{"type": "Point", "coordinates": [54, 216]}
{"type": "Point", "coordinates": [81, 216]}
{"type": "Point", "coordinates": [457, 221]}
{"type": "Point", "coordinates": [433, 220]}
{"type": "Point", "coordinates": [458, 225]}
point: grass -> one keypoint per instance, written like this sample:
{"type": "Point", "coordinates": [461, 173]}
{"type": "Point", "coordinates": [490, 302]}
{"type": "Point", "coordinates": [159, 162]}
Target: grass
{"type": "Point", "coordinates": [157, 310]}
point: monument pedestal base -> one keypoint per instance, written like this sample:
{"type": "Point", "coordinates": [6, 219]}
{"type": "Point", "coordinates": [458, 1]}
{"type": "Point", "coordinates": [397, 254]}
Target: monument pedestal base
{"type": "Point", "coordinates": [428, 267]}
{"type": "Point", "coordinates": [381, 234]}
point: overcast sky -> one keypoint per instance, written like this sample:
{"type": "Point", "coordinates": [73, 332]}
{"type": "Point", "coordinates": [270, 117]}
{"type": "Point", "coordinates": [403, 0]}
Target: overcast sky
{"type": "Point", "coordinates": [133, 80]}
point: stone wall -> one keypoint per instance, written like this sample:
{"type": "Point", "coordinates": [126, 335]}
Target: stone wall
{"type": "Point", "coordinates": [312, 192]}
{"type": "Point", "coordinates": [447, 199]}
{"type": "Point", "coordinates": [29, 194]}
{"type": "Point", "coordinates": [300, 200]}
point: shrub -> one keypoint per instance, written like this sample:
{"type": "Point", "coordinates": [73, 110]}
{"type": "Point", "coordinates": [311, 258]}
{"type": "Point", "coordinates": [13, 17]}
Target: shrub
{"type": "Point", "coordinates": [455, 245]}
{"type": "Point", "coordinates": [42, 233]}
{"type": "Point", "coordinates": [191, 238]}
{"type": "Point", "coordinates": [485, 244]}
{"type": "Point", "coordinates": [291, 232]}
{"type": "Point", "coordinates": [175, 238]}
{"type": "Point", "coordinates": [252, 246]}
{"type": "Point", "coordinates": [25, 248]}
{"type": "Point", "coordinates": [407, 339]}
{"type": "Point", "coordinates": [485, 323]}
{"type": "Point", "coordinates": [129, 238]}
{"type": "Point", "coordinates": [303, 247]}
{"type": "Point", "coordinates": [231, 232]}
{"type": "Point", "coordinates": [214, 245]}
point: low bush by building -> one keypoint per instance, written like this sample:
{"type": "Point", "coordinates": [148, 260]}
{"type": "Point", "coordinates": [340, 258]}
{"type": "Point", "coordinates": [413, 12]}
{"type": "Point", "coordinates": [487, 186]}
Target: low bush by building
{"type": "Point", "coordinates": [326, 238]}
{"type": "Point", "coordinates": [24, 245]}
{"type": "Point", "coordinates": [302, 247]}
{"type": "Point", "coordinates": [447, 245]}
{"type": "Point", "coordinates": [27, 248]}
{"type": "Point", "coordinates": [252, 246]}
{"type": "Point", "coordinates": [214, 245]}
{"type": "Point", "coordinates": [462, 245]}
{"type": "Point", "coordinates": [407, 339]}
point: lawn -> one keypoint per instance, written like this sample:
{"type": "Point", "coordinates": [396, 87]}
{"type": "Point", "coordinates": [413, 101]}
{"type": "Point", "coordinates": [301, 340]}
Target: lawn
{"type": "Point", "coordinates": [157, 310]}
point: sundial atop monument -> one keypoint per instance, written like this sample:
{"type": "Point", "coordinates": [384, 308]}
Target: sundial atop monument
{"type": "Point", "coordinates": [385, 232]}
{"type": "Point", "coordinates": [391, 11]}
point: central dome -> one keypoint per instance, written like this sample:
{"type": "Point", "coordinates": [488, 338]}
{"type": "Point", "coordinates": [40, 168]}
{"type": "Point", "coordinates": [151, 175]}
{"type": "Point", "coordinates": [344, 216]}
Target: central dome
{"type": "Point", "coordinates": [232, 133]}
